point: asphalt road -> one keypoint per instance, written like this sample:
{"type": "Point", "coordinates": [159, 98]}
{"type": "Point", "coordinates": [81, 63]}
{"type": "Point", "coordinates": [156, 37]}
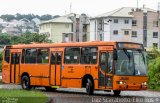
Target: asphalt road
{"type": "Point", "coordinates": [79, 96]}
{"type": "Point", "coordinates": [72, 95]}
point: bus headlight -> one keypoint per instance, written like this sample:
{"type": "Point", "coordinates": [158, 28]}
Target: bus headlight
{"type": "Point", "coordinates": [144, 83]}
{"type": "Point", "coordinates": [121, 82]}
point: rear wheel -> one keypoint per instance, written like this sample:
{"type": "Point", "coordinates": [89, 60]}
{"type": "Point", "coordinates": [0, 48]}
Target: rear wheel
{"type": "Point", "coordinates": [89, 87]}
{"type": "Point", "coordinates": [116, 92]}
{"type": "Point", "coordinates": [25, 82]}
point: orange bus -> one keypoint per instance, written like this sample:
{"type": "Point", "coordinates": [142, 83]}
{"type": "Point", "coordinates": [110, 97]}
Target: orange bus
{"type": "Point", "coordinates": [98, 65]}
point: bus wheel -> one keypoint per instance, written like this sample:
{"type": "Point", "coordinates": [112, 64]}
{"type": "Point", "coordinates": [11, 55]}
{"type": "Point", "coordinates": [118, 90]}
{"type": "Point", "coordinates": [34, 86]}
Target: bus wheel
{"type": "Point", "coordinates": [25, 82]}
{"type": "Point", "coordinates": [50, 89]}
{"type": "Point", "coordinates": [89, 87]}
{"type": "Point", "coordinates": [116, 92]}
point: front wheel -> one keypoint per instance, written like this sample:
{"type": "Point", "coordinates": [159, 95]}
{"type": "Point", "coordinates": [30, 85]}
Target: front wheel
{"type": "Point", "coordinates": [116, 92]}
{"type": "Point", "coordinates": [89, 87]}
{"type": "Point", "coordinates": [25, 82]}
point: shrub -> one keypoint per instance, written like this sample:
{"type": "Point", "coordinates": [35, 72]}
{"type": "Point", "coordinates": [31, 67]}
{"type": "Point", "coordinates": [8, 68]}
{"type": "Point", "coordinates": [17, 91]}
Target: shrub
{"type": "Point", "coordinates": [154, 69]}
{"type": "Point", "coordinates": [0, 61]}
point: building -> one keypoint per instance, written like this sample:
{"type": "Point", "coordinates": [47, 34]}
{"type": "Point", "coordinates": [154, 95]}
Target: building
{"type": "Point", "coordinates": [78, 28]}
{"type": "Point", "coordinates": [3, 23]}
{"type": "Point", "coordinates": [36, 21]}
{"type": "Point", "coordinates": [11, 31]}
{"type": "Point", "coordinates": [58, 29]}
{"type": "Point", "coordinates": [127, 24]}
{"type": "Point", "coordinates": [26, 26]}
{"type": "Point", "coordinates": [15, 22]}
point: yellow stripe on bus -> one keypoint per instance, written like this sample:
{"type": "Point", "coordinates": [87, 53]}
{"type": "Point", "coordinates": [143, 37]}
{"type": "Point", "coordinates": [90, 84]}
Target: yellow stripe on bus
{"type": "Point", "coordinates": [54, 86]}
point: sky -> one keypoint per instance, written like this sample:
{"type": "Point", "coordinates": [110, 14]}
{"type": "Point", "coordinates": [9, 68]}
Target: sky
{"type": "Point", "coordinates": [60, 7]}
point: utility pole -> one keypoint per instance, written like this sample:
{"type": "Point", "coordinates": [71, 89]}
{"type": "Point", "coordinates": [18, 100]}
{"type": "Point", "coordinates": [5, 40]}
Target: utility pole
{"type": "Point", "coordinates": [65, 12]}
{"type": "Point", "coordinates": [137, 3]}
{"type": "Point", "coordinates": [71, 7]}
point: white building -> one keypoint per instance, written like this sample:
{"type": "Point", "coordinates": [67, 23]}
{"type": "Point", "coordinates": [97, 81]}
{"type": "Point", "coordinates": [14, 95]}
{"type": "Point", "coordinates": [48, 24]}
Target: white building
{"type": "Point", "coordinates": [1, 20]}
{"type": "Point", "coordinates": [14, 22]}
{"type": "Point", "coordinates": [127, 24]}
{"type": "Point", "coordinates": [57, 29]}
{"type": "Point", "coordinates": [36, 21]}
{"type": "Point", "coordinates": [70, 27]}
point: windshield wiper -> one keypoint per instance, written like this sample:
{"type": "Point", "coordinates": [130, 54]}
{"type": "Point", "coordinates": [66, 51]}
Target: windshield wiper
{"type": "Point", "coordinates": [125, 51]}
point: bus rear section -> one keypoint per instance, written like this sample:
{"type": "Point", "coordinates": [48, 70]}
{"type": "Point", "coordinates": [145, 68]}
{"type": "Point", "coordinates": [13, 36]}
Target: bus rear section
{"type": "Point", "coordinates": [6, 71]}
{"type": "Point", "coordinates": [11, 66]}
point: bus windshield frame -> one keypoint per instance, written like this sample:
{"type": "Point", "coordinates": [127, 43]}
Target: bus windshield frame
{"type": "Point", "coordinates": [130, 61]}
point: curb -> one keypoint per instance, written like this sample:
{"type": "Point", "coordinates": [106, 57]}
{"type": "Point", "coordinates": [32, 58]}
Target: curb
{"type": "Point", "coordinates": [152, 90]}
{"type": "Point", "coordinates": [49, 100]}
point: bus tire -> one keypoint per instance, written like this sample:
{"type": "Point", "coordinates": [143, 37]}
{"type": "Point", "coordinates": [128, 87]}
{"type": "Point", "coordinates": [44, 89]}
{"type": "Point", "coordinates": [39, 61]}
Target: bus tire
{"type": "Point", "coordinates": [50, 89]}
{"type": "Point", "coordinates": [116, 92]}
{"type": "Point", "coordinates": [25, 82]}
{"type": "Point", "coordinates": [89, 87]}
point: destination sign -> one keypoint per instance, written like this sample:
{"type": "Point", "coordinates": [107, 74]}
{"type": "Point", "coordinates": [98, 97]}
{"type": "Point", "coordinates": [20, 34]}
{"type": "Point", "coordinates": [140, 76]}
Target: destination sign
{"type": "Point", "coordinates": [129, 45]}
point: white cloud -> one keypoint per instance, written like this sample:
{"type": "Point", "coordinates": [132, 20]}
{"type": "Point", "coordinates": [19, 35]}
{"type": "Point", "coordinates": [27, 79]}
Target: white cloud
{"type": "Point", "coordinates": [58, 7]}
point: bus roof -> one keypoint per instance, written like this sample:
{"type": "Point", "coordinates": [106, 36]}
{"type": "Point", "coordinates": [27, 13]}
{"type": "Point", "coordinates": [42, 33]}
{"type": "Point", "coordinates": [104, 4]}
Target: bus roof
{"type": "Point", "coordinates": [68, 44]}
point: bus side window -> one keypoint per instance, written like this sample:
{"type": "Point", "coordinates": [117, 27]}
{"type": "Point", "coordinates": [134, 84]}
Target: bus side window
{"type": "Point", "coordinates": [110, 62]}
{"type": "Point", "coordinates": [89, 55]}
{"type": "Point", "coordinates": [15, 59]}
{"type": "Point", "coordinates": [94, 53]}
{"type": "Point", "coordinates": [7, 55]}
{"type": "Point", "coordinates": [53, 58]}
{"type": "Point", "coordinates": [43, 56]}
{"type": "Point", "coordinates": [23, 56]}
{"type": "Point", "coordinates": [30, 56]}
{"type": "Point", "coordinates": [72, 55]}
{"type": "Point", "coordinates": [103, 58]}
{"type": "Point", "coordinates": [59, 58]}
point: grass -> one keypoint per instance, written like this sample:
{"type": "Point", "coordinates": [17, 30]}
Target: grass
{"type": "Point", "coordinates": [21, 96]}
{"type": "Point", "coordinates": [155, 89]}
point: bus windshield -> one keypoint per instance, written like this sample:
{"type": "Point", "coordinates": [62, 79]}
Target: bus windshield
{"type": "Point", "coordinates": [130, 62]}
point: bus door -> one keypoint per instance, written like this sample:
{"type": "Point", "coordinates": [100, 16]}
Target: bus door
{"type": "Point", "coordinates": [105, 70]}
{"type": "Point", "coordinates": [55, 71]}
{"type": "Point", "coordinates": [15, 67]}
{"type": "Point", "coordinates": [6, 67]}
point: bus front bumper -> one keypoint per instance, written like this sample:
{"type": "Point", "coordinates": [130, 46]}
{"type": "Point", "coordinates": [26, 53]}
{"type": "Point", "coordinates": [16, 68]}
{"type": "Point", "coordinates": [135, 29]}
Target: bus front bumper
{"type": "Point", "coordinates": [130, 87]}
{"type": "Point", "coordinates": [130, 82]}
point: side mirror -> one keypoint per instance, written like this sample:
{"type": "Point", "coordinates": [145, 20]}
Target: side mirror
{"type": "Point", "coordinates": [115, 54]}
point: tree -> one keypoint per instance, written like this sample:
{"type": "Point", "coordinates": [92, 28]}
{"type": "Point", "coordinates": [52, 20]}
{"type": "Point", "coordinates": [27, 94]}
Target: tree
{"type": "Point", "coordinates": [56, 16]}
{"type": "Point", "coordinates": [154, 69]}
{"type": "Point", "coordinates": [5, 39]}
{"type": "Point", "coordinates": [17, 39]}
{"type": "Point", "coordinates": [26, 38]}
{"type": "Point", "coordinates": [18, 16]}
{"type": "Point", "coordinates": [46, 17]}
{"type": "Point", "coordinates": [34, 37]}
{"type": "Point", "coordinates": [7, 17]}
